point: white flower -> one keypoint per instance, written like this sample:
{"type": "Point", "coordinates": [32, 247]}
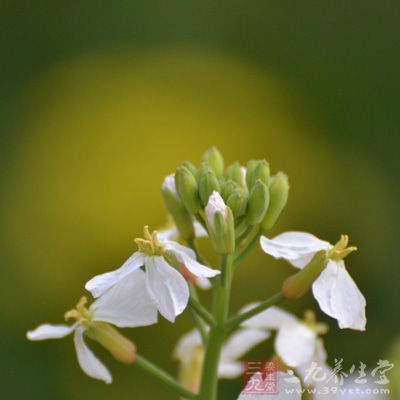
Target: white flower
{"type": "Point", "coordinates": [289, 388]}
{"type": "Point", "coordinates": [296, 343]}
{"type": "Point", "coordinates": [116, 308]}
{"type": "Point", "coordinates": [171, 233]}
{"type": "Point", "coordinates": [336, 293]}
{"type": "Point", "coordinates": [230, 367]}
{"type": "Point", "coordinates": [166, 286]}
{"type": "Point", "coordinates": [215, 205]}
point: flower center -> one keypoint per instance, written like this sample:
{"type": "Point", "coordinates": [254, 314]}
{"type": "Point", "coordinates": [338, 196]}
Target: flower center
{"type": "Point", "coordinates": [310, 321]}
{"type": "Point", "coordinates": [80, 313]}
{"type": "Point", "coordinates": [150, 244]}
{"type": "Point", "coordinates": [341, 249]}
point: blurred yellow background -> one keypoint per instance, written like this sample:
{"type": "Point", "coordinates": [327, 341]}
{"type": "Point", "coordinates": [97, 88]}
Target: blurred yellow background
{"type": "Point", "coordinates": [87, 144]}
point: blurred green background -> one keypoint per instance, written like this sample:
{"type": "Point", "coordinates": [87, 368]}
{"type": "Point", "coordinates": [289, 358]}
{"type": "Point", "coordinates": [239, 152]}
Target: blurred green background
{"type": "Point", "coordinates": [100, 100]}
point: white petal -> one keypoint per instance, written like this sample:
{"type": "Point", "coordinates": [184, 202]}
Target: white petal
{"type": "Point", "coordinates": [350, 303]}
{"type": "Point", "coordinates": [215, 205]}
{"type": "Point", "coordinates": [241, 342]}
{"type": "Point", "coordinates": [177, 248]}
{"type": "Point", "coordinates": [168, 234]}
{"type": "Point", "coordinates": [289, 388]}
{"type": "Point", "coordinates": [186, 345]}
{"type": "Point", "coordinates": [189, 259]}
{"type": "Point", "coordinates": [298, 248]}
{"type": "Point", "coordinates": [199, 230]}
{"type": "Point", "coordinates": [167, 287]}
{"type": "Point", "coordinates": [339, 297]}
{"type": "Point", "coordinates": [319, 358]}
{"type": "Point", "coordinates": [48, 331]}
{"type": "Point", "coordinates": [230, 369]}
{"type": "Point", "coordinates": [324, 288]}
{"type": "Point", "coordinates": [272, 318]}
{"type": "Point", "coordinates": [203, 283]}
{"type": "Point", "coordinates": [126, 304]}
{"type": "Point", "coordinates": [169, 184]}
{"type": "Point", "coordinates": [101, 283]}
{"type": "Point", "coordinates": [295, 344]}
{"type": "Point", "coordinates": [89, 363]}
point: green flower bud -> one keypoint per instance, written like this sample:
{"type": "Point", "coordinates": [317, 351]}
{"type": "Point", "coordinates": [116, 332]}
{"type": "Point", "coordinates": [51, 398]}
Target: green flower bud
{"type": "Point", "coordinates": [258, 203]}
{"type": "Point", "coordinates": [298, 284]}
{"type": "Point", "coordinates": [187, 188]}
{"type": "Point", "coordinates": [278, 191]}
{"type": "Point", "coordinates": [227, 188]}
{"type": "Point", "coordinates": [118, 345]}
{"type": "Point", "coordinates": [208, 182]}
{"type": "Point", "coordinates": [191, 168]}
{"type": "Point", "coordinates": [183, 220]}
{"type": "Point", "coordinates": [214, 159]}
{"type": "Point", "coordinates": [236, 173]}
{"type": "Point", "coordinates": [237, 202]}
{"type": "Point", "coordinates": [220, 224]}
{"type": "Point", "coordinates": [257, 169]}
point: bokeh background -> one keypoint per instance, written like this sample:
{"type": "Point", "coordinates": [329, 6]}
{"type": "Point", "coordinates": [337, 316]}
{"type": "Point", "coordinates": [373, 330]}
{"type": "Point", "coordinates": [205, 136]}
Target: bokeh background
{"type": "Point", "coordinates": [100, 100]}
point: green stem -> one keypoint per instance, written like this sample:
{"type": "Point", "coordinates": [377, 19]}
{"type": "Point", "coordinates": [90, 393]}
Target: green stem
{"type": "Point", "coordinates": [201, 326]}
{"type": "Point", "coordinates": [234, 322]}
{"type": "Point", "coordinates": [201, 311]}
{"type": "Point", "coordinates": [209, 384]}
{"type": "Point", "coordinates": [164, 377]}
{"type": "Point", "coordinates": [239, 257]}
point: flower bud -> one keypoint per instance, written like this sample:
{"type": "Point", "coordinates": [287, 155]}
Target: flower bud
{"type": "Point", "coordinates": [219, 219]}
{"type": "Point", "coordinates": [258, 203]}
{"type": "Point", "coordinates": [118, 345]}
{"type": "Point", "coordinates": [182, 219]}
{"type": "Point", "coordinates": [187, 188]}
{"type": "Point", "coordinates": [257, 170]}
{"type": "Point", "coordinates": [236, 173]}
{"type": "Point", "coordinates": [208, 183]}
{"type": "Point", "coordinates": [278, 192]}
{"type": "Point", "coordinates": [227, 188]}
{"type": "Point", "coordinates": [237, 202]}
{"type": "Point", "coordinates": [213, 158]}
{"type": "Point", "coordinates": [298, 284]}
{"type": "Point", "coordinates": [190, 167]}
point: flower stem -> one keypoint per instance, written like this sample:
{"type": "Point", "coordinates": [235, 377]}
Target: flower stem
{"type": "Point", "coordinates": [234, 322]}
{"type": "Point", "coordinates": [164, 377]}
{"type": "Point", "coordinates": [241, 255]}
{"type": "Point", "coordinates": [201, 325]}
{"type": "Point", "coordinates": [201, 311]}
{"type": "Point", "coordinates": [209, 384]}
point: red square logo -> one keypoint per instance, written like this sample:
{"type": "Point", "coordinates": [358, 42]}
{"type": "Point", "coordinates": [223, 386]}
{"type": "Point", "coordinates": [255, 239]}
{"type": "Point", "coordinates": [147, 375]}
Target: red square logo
{"type": "Point", "coordinates": [260, 377]}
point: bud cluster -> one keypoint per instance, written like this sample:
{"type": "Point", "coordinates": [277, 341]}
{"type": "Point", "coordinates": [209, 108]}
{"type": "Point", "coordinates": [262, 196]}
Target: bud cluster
{"type": "Point", "coordinates": [227, 201]}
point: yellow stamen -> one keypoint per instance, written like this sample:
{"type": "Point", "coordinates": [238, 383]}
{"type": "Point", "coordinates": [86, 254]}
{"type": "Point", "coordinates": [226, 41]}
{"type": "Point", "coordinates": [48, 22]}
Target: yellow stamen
{"type": "Point", "coordinates": [80, 313]}
{"type": "Point", "coordinates": [340, 250]}
{"type": "Point", "coordinates": [310, 320]}
{"type": "Point", "coordinates": [150, 244]}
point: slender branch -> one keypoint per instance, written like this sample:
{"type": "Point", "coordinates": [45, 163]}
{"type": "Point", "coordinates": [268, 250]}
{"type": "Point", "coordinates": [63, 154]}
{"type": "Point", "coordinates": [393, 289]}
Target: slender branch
{"type": "Point", "coordinates": [164, 377]}
{"type": "Point", "coordinates": [200, 324]}
{"type": "Point", "coordinates": [247, 249]}
{"type": "Point", "coordinates": [234, 322]}
{"type": "Point", "coordinates": [201, 311]}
